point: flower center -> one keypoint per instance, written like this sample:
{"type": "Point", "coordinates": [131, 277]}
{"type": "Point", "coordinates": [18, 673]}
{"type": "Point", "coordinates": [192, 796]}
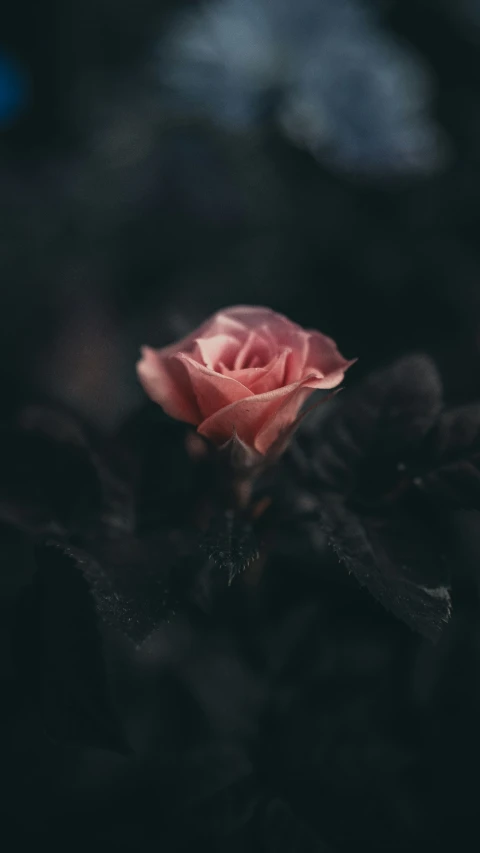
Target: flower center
{"type": "Point", "coordinates": [253, 353]}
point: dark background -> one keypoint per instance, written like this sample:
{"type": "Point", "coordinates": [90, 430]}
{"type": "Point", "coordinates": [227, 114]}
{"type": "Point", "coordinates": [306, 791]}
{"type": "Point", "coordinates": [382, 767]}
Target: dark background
{"type": "Point", "coordinates": [125, 220]}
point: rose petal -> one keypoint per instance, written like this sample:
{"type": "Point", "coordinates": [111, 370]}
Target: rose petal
{"type": "Point", "coordinates": [265, 334]}
{"type": "Point", "coordinates": [253, 349]}
{"type": "Point", "coordinates": [332, 380]}
{"type": "Point", "coordinates": [297, 363]}
{"type": "Point", "coordinates": [283, 418]}
{"type": "Point", "coordinates": [286, 334]}
{"type": "Point", "coordinates": [259, 419]}
{"type": "Point", "coordinates": [246, 377]}
{"type": "Point", "coordinates": [251, 316]}
{"type": "Point", "coordinates": [273, 375]}
{"type": "Point", "coordinates": [245, 417]}
{"type": "Point", "coordinates": [167, 383]}
{"type": "Point", "coordinates": [218, 348]}
{"type": "Point", "coordinates": [223, 323]}
{"type": "Point", "coordinates": [212, 390]}
{"type": "Point", "coordinates": [220, 323]}
{"type": "Point", "coordinates": [255, 316]}
{"type": "Point", "coordinates": [323, 355]}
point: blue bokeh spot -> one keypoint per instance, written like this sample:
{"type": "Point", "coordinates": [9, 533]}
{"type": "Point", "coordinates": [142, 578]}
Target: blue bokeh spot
{"type": "Point", "coordinates": [14, 89]}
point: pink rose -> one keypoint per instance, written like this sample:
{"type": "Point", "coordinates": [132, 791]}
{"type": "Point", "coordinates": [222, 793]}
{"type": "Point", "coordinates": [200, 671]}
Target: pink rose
{"type": "Point", "coordinates": [246, 372]}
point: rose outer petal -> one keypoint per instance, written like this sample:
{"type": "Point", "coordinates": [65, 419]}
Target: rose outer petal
{"type": "Point", "coordinates": [283, 418]}
{"type": "Point", "coordinates": [255, 419]}
{"type": "Point", "coordinates": [167, 383]}
{"type": "Point", "coordinates": [220, 323]}
{"type": "Point", "coordinates": [323, 355]}
{"type": "Point", "coordinates": [252, 316]}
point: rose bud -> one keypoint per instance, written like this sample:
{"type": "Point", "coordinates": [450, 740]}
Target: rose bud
{"type": "Point", "coordinates": [242, 377]}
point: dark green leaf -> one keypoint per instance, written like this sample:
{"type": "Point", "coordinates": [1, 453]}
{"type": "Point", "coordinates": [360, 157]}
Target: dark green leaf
{"type": "Point", "coordinates": [167, 478]}
{"type": "Point", "coordinates": [230, 544]}
{"type": "Point", "coordinates": [55, 478]}
{"type": "Point", "coordinates": [398, 558]}
{"type": "Point", "coordinates": [284, 832]}
{"type": "Point", "coordinates": [58, 651]}
{"type": "Point", "coordinates": [136, 583]}
{"type": "Point", "coordinates": [453, 459]}
{"type": "Point", "coordinates": [384, 417]}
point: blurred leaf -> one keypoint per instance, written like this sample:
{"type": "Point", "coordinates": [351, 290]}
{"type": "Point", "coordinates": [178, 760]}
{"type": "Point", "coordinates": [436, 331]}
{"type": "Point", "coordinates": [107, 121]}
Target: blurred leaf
{"type": "Point", "coordinates": [362, 469]}
{"type": "Point", "coordinates": [285, 833]}
{"type": "Point", "coordinates": [136, 583]}
{"type": "Point", "coordinates": [384, 417]}
{"type": "Point", "coordinates": [47, 480]}
{"type": "Point", "coordinates": [230, 544]}
{"type": "Point", "coordinates": [54, 481]}
{"type": "Point", "coordinates": [58, 652]}
{"type": "Point", "coordinates": [453, 459]}
{"type": "Point", "coordinates": [165, 475]}
{"type": "Point", "coordinates": [398, 558]}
